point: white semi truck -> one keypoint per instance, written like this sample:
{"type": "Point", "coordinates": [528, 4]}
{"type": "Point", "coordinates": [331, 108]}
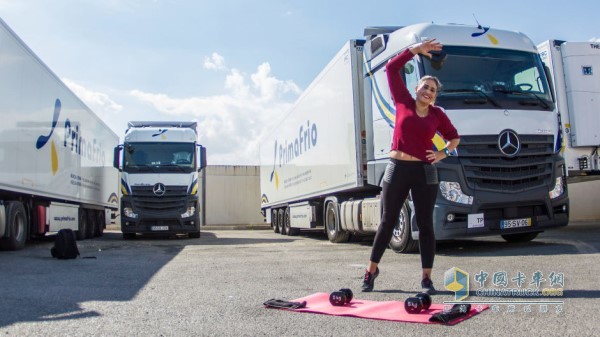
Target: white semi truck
{"type": "Point", "coordinates": [575, 68]}
{"type": "Point", "coordinates": [322, 166]}
{"type": "Point", "coordinates": [162, 180]}
{"type": "Point", "coordinates": [55, 169]}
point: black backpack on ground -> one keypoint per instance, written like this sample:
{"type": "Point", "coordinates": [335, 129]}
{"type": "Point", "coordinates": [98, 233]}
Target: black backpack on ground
{"type": "Point", "coordinates": [65, 245]}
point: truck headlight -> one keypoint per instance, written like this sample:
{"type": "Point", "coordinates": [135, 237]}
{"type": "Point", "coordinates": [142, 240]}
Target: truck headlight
{"type": "Point", "coordinates": [452, 192]}
{"type": "Point", "coordinates": [128, 211]}
{"type": "Point", "coordinates": [559, 188]}
{"type": "Point", "coordinates": [191, 210]}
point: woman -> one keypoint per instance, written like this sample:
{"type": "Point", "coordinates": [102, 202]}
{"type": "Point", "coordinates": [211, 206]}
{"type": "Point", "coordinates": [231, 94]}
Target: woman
{"type": "Point", "coordinates": [411, 161]}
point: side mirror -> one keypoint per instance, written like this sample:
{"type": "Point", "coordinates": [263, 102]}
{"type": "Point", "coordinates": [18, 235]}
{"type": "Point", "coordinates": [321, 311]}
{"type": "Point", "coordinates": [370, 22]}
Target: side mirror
{"type": "Point", "coordinates": [202, 156]}
{"type": "Point", "coordinates": [116, 156]}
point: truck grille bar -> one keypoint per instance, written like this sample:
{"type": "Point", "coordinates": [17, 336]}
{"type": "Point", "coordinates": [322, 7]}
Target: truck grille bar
{"type": "Point", "coordinates": [486, 168]}
{"type": "Point", "coordinates": [174, 199]}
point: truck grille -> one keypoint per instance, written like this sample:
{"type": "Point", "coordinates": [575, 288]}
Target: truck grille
{"type": "Point", "coordinates": [486, 168]}
{"type": "Point", "coordinates": [174, 199]}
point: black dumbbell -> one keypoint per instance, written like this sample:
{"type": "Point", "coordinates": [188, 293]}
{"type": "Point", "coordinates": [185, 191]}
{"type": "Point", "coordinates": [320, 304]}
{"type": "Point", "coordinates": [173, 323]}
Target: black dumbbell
{"type": "Point", "coordinates": [341, 297]}
{"type": "Point", "coordinates": [414, 305]}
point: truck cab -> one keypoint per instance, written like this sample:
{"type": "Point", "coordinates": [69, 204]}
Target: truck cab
{"type": "Point", "coordinates": [162, 179]}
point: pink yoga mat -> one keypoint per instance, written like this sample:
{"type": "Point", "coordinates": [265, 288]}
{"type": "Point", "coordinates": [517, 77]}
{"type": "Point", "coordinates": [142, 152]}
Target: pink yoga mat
{"type": "Point", "coordinates": [390, 310]}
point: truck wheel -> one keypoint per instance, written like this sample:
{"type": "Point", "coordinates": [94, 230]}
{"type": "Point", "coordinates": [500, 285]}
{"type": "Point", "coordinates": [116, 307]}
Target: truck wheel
{"type": "Point", "coordinates": [332, 224]}
{"type": "Point", "coordinates": [287, 223]}
{"type": "Point", "coordinates": [92, 224]}
{"type": "Point", "coordinates": [520, 237]}
{"type": "Point", "coordinates": [274, 221]}
{"type": "Point", "coordinates": [16, 225]}
{"type": "Point", "coordinates": [100, 223]}
{"type": "Point", "coordinates": [281, 220]}
{"type": "Point", "coordinates": [194, 235]}
{"type": "Point", "coordinates": [83, 224]}
{"type": "Point", "coordinates": [402, 241]}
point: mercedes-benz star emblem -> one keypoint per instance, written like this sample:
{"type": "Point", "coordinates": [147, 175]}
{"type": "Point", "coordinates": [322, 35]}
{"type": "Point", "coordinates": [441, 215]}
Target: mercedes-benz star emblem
{"type": "Point", "coordinates": [159, 190]}
{"type": "Point", "coordinates": [509, 143]}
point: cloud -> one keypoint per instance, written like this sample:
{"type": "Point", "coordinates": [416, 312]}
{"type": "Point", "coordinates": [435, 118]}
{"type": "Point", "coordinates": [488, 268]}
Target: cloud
{"type": "Point", "coordinates": [97, 101]}
{"type": "Point", "coordinates": [231, 125]}
{"type": "Point", "coordinates": [214, 62]}
{"type": "Point", "coordinates": [595, 39]}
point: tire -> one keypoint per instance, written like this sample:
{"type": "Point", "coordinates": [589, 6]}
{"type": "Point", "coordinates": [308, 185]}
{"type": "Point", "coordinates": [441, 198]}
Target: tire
{"type": "Point", "coordinates": [282, 220]}
{"type": "Point", "coordinates": [82, 226]}
{"type": "Point", "coordinates": [92, 224]}
{"type": "Point", "coordinates": [332, 224]}
{"type": "Point", "coordinates": [100, 223]}
{"type": "Point", "coordinates": [520, 237]}
{"type": "Point", "coordinates": [402, 241]}
{"type": "Point", "coordinates": [287, 223]}
{"type": "Point", "coordinates": [274, 220]}
{"type": "Point", "coordinates": [194, 235]}
{"type": "Point", "coordinates": [16, 226]}
{"type": "Point", "coordinates": [128, 236]}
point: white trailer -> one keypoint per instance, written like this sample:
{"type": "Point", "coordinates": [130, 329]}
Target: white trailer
{"type": "Point", "coordinates": [322, 165]}
{"type": "Point", "coordinates": [575, 69]}
{"type": "Point", "coordinates": [55, 153]}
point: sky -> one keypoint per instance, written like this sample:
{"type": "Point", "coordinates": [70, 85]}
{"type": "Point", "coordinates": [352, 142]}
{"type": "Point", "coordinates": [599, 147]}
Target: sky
{"type": "Point", "coordinates": [234, 66]}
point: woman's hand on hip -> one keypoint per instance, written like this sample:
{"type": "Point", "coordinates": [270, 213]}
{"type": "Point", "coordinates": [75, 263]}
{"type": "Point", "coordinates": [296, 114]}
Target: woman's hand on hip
{"type": "Point", "coordinates": [435, 156]}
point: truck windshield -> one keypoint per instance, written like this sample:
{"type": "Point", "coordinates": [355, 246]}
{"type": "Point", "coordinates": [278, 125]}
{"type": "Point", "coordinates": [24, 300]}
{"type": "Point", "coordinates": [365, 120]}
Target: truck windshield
{"type": "Point", "coordinates": [487, 78]}
{"type": "Point", "coordinates": [159, 157]}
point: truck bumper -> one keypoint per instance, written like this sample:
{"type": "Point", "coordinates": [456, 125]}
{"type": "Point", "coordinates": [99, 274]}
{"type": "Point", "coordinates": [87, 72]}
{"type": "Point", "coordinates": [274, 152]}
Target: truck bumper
{"type": "Point", "coordinates": [160, 225]}
{"type": "Point", "coordinates": [485, 216]}
{"type": "Point", "coordinates": [159, 221]}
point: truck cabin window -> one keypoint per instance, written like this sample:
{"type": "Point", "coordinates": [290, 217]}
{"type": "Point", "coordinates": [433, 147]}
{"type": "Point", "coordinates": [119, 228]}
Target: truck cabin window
{"type": "Point", "coordinates": [159, 157]}
{"type": "Point", "coordinates": [486, 78]}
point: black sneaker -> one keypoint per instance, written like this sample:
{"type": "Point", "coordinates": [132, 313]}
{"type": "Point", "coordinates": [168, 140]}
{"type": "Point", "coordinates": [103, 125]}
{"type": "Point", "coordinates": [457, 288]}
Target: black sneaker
{"type": "Point", "coordinates": [369, 281]}
{"type": "Point", "coordinates": [427, 286]}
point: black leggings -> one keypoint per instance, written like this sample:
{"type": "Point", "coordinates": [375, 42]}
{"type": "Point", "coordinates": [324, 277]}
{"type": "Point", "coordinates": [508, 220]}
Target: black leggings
{"type": "Point", "coordinates": [401, 177]}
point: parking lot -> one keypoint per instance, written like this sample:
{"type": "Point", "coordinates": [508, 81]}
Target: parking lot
{"type": "Point", "coordinates": [215, 285]}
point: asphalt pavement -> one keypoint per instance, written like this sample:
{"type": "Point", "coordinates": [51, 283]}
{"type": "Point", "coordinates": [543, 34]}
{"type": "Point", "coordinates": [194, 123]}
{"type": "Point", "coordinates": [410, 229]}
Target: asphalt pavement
{"type": "Point", "coordinates": [215, 285]}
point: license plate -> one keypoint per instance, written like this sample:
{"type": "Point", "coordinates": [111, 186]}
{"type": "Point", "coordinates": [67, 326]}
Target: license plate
{"type": "Point", "coordinates": [515, 223]}
{"type": "Point", "coordinates": [159, 228]}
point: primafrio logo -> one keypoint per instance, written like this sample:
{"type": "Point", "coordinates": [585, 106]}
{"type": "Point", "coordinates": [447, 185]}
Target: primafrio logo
{"type": "Point", "coordinates": [509, 143]}
{"type": "Point", "coordinates": [286, 152]}
{"type": "Point", "coordinates": [42, 140]}
{"type": "Point", "coordinates": [73, 139]}
{"type": "Point", "coordinates": [484, 31]}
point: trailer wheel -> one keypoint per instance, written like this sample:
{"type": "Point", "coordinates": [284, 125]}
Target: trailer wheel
{"type": "Point", "coordinates": [83, 224]}
{"type": "Point", "coordinates": [100, 223]}
{"type": "Point", "coordinates": [520, 237]}
{"type": "Point", "coordinates": [274, 220]}
{"type": "Point", "coordinates": [16, 223]}
{"type": "Point", "coordinates": [332, 224]}
{"type": "Point", "coordinates": [402, 241]}
{"type": "Point", "coordinates": [90, 230]}
{"type": "Point", "coordinates": [282, 219]}
{"type": "Point", "coordinates": [288, 228]}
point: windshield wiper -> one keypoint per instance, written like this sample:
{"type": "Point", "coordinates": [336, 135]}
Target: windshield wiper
{"type": "Point", "coordinates": [143, 167]}
{"type": "Point", "coordinates": [179, 168]}
{"type": "Point", "coordinates": [526, 93]}
{"type": "Point", "coordinates": [472, 91]}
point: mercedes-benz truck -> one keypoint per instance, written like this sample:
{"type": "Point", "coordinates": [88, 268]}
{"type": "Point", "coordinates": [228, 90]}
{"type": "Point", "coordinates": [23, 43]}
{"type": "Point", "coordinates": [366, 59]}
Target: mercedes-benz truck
{"type": "Point", "coordinates": [55, 169]}
{"type": "Point", "coordinates": [162, 179]}
{"type": "Point", "coordinates": [322, 165]}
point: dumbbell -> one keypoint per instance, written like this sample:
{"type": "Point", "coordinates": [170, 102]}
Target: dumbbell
{"type": "Point", "coordinates": [341, 297]}
{"type": "Point", "coordinates": [414, 305]}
